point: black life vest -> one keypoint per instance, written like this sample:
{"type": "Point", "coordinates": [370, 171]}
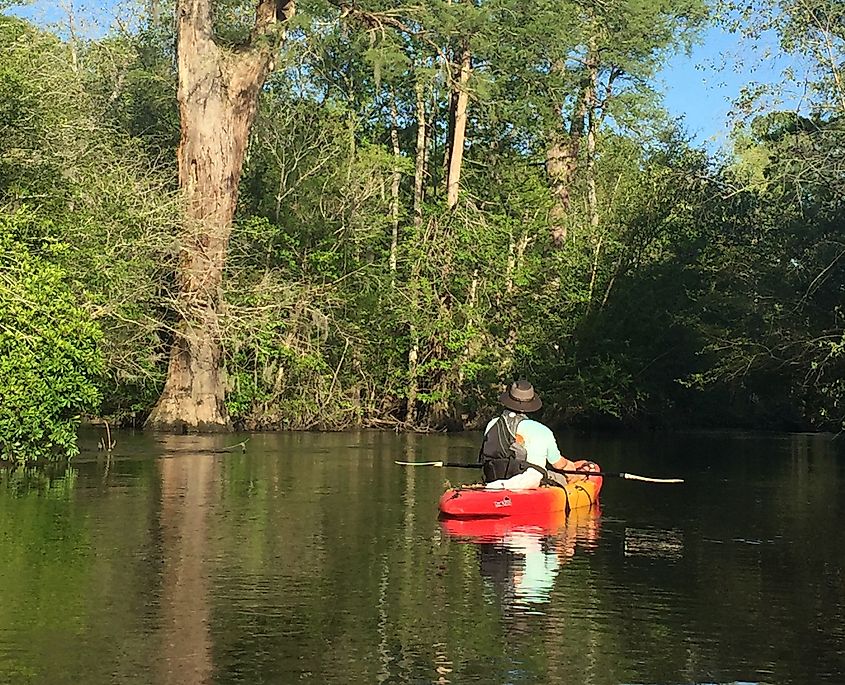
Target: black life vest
{"type": "Point", "coordinates": [501, 455]}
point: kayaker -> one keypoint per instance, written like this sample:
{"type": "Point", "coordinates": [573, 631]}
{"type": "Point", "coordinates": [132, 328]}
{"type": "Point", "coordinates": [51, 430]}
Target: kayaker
{"type": "Point", "coordinates": [516, 450]}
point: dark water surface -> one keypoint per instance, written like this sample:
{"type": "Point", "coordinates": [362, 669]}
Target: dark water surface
{"type": "Point", "coordinates": [314, 558]}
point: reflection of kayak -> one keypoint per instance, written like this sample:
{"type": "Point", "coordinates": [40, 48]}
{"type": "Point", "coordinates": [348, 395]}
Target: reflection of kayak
{"type": "Point", "coordinates": [581, 522]}
{"type": "Point", "coordinates": [494, 528]}
{"type": "Point", "coordinates": [521, 555]}
{"type": "Point", "coordinates": [477, 502]}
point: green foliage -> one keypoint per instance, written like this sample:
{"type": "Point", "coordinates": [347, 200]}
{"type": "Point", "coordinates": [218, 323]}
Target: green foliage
{"type": "Point", "coordinates": [686, 290]}
{"type": "Point", "coordinates": [775, 319]}
{"type": "Point", "coordinates": [107, 202]}
{"type": "Point", "coordinates": [50, 362]}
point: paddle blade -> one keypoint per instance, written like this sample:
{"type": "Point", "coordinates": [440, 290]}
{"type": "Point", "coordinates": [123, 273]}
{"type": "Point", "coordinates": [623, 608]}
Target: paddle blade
{"type": "Point", "coordinates": [634, 476]}
{"type": "Point", "coordinates": [419, 463]}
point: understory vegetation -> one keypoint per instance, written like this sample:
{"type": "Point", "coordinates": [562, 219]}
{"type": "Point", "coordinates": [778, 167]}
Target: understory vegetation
{"type": "Point", "coordinates": [376, 278]}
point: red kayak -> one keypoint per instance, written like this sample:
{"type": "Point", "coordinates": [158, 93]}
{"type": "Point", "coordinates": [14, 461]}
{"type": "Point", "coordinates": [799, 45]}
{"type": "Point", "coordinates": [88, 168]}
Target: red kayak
{"type": "Point", "coordinates": [474, 501]}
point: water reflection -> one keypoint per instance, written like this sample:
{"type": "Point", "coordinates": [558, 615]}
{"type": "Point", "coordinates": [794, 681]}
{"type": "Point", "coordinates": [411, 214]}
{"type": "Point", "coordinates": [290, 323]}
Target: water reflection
{"type": "Point", "coordinates": [521, 558]}
{"type": "Point", "coordinates": [313, 558]}
{"type": "Point", "coordinates": [185, 638]}
{"type": "Point", "coordinates": [653, 542]}
{"type": "Point", "coordinates": [55, 481]}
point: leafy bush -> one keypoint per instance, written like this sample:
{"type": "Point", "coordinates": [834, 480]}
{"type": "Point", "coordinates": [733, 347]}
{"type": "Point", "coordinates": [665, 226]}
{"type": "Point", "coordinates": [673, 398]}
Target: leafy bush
{"type": "Point", "coordinates": [49, 354]}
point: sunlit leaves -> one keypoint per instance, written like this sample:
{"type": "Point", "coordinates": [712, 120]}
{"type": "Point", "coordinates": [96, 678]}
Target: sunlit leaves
{"type": "Point", "coordinates": [50, 360]}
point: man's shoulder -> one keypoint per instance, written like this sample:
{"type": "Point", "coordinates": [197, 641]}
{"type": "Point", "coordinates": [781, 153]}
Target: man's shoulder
{"type": "Point", "coordinates": [534, 429]}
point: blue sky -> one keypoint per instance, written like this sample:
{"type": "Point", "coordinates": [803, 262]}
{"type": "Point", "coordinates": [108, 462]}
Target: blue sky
{"type": "Point", "coordinates": [699, 88]}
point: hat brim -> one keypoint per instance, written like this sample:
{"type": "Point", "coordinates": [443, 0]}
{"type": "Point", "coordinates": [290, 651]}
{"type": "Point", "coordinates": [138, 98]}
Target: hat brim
{"type": "Point", "coordinates": [532, 405]}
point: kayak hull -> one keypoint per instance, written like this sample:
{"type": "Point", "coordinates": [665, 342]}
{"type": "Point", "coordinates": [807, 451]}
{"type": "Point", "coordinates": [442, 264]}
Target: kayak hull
{"type": "Point", "coordinates": [477, 502]}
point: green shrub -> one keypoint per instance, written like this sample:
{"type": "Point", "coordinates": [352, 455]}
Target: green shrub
{"type": "Point", "coordinates": [49, 347]}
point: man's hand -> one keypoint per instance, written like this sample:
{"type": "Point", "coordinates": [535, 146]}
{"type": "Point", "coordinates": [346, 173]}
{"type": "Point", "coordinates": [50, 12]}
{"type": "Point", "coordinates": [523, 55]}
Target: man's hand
{"type": "Point", "coordinates": [564, 464]}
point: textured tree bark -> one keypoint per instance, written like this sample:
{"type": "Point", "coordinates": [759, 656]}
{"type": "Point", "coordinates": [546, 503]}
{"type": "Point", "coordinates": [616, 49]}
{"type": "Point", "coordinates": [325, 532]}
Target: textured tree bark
{"type": "Point", "coordinates": [218, 95]}
{"type": "Point", "coordinates": [447, 147]}
{"type": "Point", "coordinates": [394, 187]}
{"type": "Point", "coordinates": [419, 168]}
{"type": "Point", "coordinates": [564, 151]}
{"type": "Point", "coordinates": [456, 143]}
{"type": "Point", "coordinates": [565, 147]}
{"type": "Point", "coordinates": [592, 190]}
{"type": "Point", "coordinates": [561, 165]}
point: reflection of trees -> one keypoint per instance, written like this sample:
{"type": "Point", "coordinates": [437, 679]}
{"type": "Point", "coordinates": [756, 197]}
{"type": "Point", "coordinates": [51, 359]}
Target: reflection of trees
{"type": "Point", "coordinates": [521, 557]}
{"type": "Point", "coordinates": [74, 584]}
{"type": "Point", "coordinates": [575, 641]}
{"type": "Point", "coordinates": [186, 645]}
{"type": "Point", "coordinates": [337, 571]}
{"type": "Point", "coordinates": [56, 481]}
{"type": "Point", "coordinates": [759, 577]}
{"type": "Point", "coordinates": [522, 563]}
{"type": "Point", "coordinates": [40, 571]}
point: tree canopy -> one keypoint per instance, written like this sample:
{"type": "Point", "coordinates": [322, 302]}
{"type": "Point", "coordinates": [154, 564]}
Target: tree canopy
{"type": "Point", "coordinates": [636, 279]}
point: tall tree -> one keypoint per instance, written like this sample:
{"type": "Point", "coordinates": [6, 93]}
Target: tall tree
{"type": "Point", "coordinates": [458, 123]}
{"type": "Point", "coordinates": [218, 93]}
{"type": "Point", "coordinates": [572, 65]}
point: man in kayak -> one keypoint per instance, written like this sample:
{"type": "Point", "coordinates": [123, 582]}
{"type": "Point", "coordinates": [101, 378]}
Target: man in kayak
{"type": "Point", "coordinates": [516, 449]}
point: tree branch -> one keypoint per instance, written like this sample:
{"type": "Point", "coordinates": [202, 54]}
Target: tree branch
{"type": "Point", "coordinates": [256, 57]}
{"type": "Point", "coordinates": [377, 21]}
{"type": "Point", "coordinates": [268, 13]}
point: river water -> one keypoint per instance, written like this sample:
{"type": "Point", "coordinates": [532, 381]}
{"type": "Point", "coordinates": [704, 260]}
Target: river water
{"type": "Point", "coordinates": [313, 558]}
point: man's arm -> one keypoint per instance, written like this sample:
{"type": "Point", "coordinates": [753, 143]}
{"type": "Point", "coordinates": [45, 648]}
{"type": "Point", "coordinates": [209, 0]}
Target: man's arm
{"type": "Point", "coordinates": [564, 464]}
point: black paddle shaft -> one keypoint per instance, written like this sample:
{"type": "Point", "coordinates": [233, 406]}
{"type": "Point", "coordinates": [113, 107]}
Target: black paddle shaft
{"type": "Point", "coordinates": [573, 472]}
{"type": "Point", "coordinates": [465, 465]}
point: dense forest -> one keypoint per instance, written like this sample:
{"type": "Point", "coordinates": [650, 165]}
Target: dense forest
{"type": "Point", "coordinates": [433, 198]}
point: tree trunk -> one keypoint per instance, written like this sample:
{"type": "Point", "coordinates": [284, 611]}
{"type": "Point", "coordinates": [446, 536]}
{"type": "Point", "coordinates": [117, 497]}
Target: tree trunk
{"type": "Point", "coordinates": [394, 188]}
{"type": "Point", "coordinates": [456, 142]}
{"type": "Point", "coordinates": [429, 180]}
{"type": "Point", "coordinates": [419, 188]}
{"type": "Point", "coordinates": [447, 146]}
{"type": "Point", "coordinates": [511, 264]}
{"type": "Point", "coordinates": [73, 41]}
{"type": "Point", "coordinates": [561, 165]}
{"type": "Point", "coordinates": [413, 354]}
{"type": "Point", "coordinates": [593, 204]}
{"type": "Point", "coordinates": [565, 147]}
{"type": "Point", "coordinates": [592, 192]}
{"type": "Point", "coordinates": [419, 169]}
{"type": "Point", "coordinates": [218, 95]}
{"type": "Point", "coordinates": [516, 257]}
{"type": "Point", "coordinates": [155, 12]}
